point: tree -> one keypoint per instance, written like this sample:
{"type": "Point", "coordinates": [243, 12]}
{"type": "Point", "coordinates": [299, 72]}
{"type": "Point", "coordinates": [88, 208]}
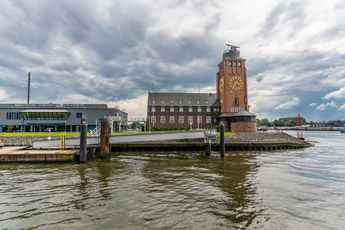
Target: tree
{"type": "Point", "coordinates": [135, 125]}
{"type": "Point", "coordinates": [265, 121]}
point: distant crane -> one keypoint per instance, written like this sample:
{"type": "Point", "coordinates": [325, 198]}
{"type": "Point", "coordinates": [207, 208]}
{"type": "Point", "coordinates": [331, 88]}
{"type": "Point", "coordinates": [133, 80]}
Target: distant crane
{"type": "Point", "coordinates": [299, 127]}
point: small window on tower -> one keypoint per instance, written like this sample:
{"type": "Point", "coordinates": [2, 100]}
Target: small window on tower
{"type": "Point", "coordinates": [234, 63]}
{"type": "Point", "coordinates": [239, 64]}
{"type": "Point", "coordinates": [224, 66]}
{"type": "Point", "coordinates": [230, 63]}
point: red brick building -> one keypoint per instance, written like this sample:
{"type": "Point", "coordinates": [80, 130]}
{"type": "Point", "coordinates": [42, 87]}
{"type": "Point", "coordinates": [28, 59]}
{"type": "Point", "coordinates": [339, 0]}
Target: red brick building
{"type": "Point", "coordinates": [229, 105]}
{"type": "Point", "coordinates": [182, 110]}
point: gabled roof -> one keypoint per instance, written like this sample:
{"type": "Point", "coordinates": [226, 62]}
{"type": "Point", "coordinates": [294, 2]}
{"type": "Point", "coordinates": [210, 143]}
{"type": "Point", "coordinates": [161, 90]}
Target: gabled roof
{"type": "Point", "coordinates": [181, 99]}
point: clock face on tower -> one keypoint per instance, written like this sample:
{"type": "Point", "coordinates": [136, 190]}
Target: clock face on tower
{"type": "Point", "coordinates": [221, 85]}
{"type": "Point", "coordinates": [236, 83]}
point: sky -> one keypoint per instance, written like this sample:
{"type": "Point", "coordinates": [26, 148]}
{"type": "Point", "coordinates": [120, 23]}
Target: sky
{"type": "Point", "coordinates": [109, 51]}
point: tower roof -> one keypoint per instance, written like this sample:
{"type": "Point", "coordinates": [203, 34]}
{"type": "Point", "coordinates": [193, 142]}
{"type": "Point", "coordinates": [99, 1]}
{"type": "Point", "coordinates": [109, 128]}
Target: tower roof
{"type": "Point", "coordinates": [232, 53]}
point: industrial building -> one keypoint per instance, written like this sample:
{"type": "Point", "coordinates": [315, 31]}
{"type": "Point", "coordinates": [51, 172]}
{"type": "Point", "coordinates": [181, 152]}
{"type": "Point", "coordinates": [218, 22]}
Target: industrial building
{"type": "Point", "coordinates": [56, 117]}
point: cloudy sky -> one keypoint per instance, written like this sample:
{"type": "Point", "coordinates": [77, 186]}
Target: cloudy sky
{"type": "Point", "coordinates": [108, 51]}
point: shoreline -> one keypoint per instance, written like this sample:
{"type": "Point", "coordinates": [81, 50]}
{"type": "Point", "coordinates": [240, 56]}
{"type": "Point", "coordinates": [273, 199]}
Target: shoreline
{"type": "Point", "coordinates": [259, 141]}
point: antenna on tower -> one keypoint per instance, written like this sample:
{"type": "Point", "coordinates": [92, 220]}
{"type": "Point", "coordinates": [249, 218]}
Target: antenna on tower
{"type": "Point", "coordinates": [29, 79]}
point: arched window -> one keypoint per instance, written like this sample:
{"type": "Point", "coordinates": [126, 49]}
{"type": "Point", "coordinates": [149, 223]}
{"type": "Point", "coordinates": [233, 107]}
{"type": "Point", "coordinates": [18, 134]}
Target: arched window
{"type": "Point", "coordinates": [236, 101]}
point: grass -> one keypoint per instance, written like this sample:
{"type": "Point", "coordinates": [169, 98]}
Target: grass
{"type": "Point", "coordinates": [226, 133]}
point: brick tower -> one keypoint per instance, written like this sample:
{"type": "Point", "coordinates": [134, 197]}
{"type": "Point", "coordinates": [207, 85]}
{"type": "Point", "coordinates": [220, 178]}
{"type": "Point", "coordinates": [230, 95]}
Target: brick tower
{"type": "Point", "coordinates": [232, 93]}
{"type": "Point", "coordinates": [232, 82]}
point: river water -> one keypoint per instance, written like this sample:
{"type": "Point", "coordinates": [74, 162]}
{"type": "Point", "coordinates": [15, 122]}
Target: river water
{"type": "Point", "coordinates": [294, 189]}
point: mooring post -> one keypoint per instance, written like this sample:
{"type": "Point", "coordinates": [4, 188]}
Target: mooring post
{"type": "Point", "coordinates": [208, 147]}
{"type": "Point", "coordinates": [222, 141]}
{"type": "Point", "coordinates": [104, 145]}
{"type": "Point", "coordinates": [83, 140]}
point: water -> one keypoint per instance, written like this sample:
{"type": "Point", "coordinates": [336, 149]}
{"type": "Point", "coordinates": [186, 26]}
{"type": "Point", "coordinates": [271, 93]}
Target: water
{"type": "Point", "coordinates": [295, 189]}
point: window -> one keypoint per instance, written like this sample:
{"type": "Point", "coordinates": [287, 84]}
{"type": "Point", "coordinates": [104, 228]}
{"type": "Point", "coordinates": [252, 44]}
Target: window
{"type": "Point", "coordinates": [199, 119]}
{"type": "Point", "coordinates": [153, 102]}
{"type": "Point", "coordinates": [231, 91]}
{"type": "Point", "coordinates": [153, 109]}
{"type": "Point", "coordinates": [236, 101]}
{"type": "Point", "coordinates": [13, 116]}
{"type": "Point", "coordinates": [199, 109]}
{"type": "Point", "coordinates": [240, 109]}
{"type": "Point", "coordinates": [162, 119]}
{"type": "Point", "coordinates": [232, 109]}
{"type": "Point", "coordinates": [153, 119]}
{"type": "Point", "coordinates": [190, 109]}
{"type": "Point", "coordinates": [230, 63]}
{"type": "Point", "coordinates": [163, 109]}
{"type": "Point", "coordinates": [234, 63]}
{"type": "Point", "coordinates": [239, 64]}
{"type": "Point", "coordinates": [236, 109]}
{"type": "Point", "coordinates": [190, 120]}
{"type": "Point", "coordinates": [172, 109]}
{"type": "Point", "coordinates": [215, 120]}
{"type": "Point", "coordinates": [221, 101]}
{"type": "Point", "coordinates": [78, 115]}
{"type": "Point", "coordinates": [241, 91]}
{"type": "Point", "coordinates": [171, 102]}
{"type": "Point", "coordinates": [172, 119]}
{"type": "Point", "coordinates": [224, 66]}
{"type": "Point", "coordinates": [208, 109]}
{"type": "Point", "coordinates": [208, 120]}
{"type": "Point", "coordinates": [181, 120]}
{"type": "Point", "coordinates": [181, 109]}
{"type": "Point", "coordinates": [162, 102]}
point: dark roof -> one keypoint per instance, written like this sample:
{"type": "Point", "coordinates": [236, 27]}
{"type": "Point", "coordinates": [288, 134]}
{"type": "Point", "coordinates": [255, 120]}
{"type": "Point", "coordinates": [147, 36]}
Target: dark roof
{"type": "Point", "coordinates": [244, 113]}
{"type": "Point", "coordinates": [181, 99]}
{"type": "Point", "coordinates": [226, 115]}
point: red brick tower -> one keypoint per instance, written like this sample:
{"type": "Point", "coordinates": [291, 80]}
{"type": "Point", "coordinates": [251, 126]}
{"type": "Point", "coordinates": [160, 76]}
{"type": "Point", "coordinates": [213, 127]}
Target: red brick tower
{"type": "Point", "coordinates": [232, 82]}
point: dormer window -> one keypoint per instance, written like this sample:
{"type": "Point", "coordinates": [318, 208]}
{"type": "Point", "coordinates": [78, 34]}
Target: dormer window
{"type": "Point", "coordinates": [206, 102]}
{"type": "Point", "coordinates": [171, 102]}
{"type": "Point", "coordinates": [162, 102]}
{"type": "Point", "coordinates": [153, 109]}
{"type": "Point", "coordinates": [199, 109]}
{"type": "Point", "coordinates": [180, 102]}
{"type": "Point", "coordinates": [153, 102]}
{"type": "Point", "coordinates": [181, 109]}
{"type": "Point", "coordinates": [188, 102]}
{"type": "Point", "coordinates": [163, 109]}
{"type": "Point", "coordinates": [190, 109]}
{"type": "Point", "coordinates": [172, 109]}
{"type": "Point", "coordinates": [208, 109]}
